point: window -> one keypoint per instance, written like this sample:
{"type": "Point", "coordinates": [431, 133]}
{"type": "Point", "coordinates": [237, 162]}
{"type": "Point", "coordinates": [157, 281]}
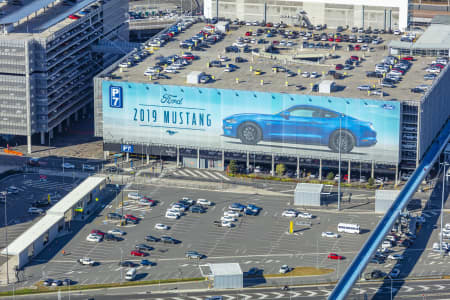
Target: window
{"type": "Point", "coordinates": [304, 113]}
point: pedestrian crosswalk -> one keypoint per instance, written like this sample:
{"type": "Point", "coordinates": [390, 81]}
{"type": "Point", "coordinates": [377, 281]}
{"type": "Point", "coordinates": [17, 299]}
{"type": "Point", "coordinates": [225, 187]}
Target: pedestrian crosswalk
{"type": "Point", "coordinates": [47, 185]}
{"type": "Point", "coordinates": [201, 174]}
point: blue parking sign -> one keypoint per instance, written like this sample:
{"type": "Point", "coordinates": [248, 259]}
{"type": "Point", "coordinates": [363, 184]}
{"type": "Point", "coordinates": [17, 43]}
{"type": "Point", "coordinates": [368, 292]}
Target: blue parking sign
{"type": "Point", "coordinates": [127, 148]}
{"type": "Point", "coordinates": [115, 96]}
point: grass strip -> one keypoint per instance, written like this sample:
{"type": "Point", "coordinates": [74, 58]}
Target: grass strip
{"type": "Point", "coordinates": [302, 271]}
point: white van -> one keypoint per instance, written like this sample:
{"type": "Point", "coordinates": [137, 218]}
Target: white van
{"type": "Point", "coordinates": [131, 274]}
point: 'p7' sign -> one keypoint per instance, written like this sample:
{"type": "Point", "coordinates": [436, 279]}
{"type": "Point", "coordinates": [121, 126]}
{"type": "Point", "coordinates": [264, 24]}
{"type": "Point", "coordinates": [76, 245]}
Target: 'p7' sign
{"type": "Point", "coordinates": [115, 96]}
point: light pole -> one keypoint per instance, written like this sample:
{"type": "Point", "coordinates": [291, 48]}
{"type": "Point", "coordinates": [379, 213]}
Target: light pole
{"type": "Point", "coordinates": [339, 171]}
{"type": "Point", "coordinates": [6, 240]}
{"type": "Point", "coordinates": [121, 267]}
{"type": "Point", "coordinates": [442, 206]}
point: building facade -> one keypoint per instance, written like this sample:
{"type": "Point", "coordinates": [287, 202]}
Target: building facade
{"type": "Point", "coordinates": [47, 61]}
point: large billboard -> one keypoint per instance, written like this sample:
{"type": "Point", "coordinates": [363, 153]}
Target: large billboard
{"type": "Point", "coordinates": [261, 122]}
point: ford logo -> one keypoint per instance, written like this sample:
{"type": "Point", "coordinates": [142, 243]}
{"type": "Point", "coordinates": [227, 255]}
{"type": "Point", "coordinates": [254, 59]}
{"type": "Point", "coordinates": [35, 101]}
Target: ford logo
{"type": "Point", "coordinates": [171, 99]}
{"type": "Point", "coordinates": [388, 106]}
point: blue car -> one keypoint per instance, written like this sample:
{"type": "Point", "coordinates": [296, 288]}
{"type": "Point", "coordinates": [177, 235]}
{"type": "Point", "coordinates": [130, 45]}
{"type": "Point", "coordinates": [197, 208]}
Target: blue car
{"type": "Point", "coordinates": [302, 124]}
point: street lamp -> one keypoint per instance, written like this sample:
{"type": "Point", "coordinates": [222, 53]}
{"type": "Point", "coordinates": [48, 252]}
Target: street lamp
{"type": "Point", "coordinates": [6, 240]}
{"type": "Point", "coordinates": [339, 171]}
{"type": "Point", "coordinates": [442, 205]}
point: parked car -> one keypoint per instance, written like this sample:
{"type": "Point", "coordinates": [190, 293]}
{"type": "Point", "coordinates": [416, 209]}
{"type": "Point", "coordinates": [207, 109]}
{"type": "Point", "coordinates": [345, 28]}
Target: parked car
{"type": "Point", "coordinates": [284, 269]}
{"type": "Point", "coordinates": [35, 210]}
{"type": "Point", "coordinates": [236, 207]}
{"type": "Point", "coordinates": [194, 255]}
{"type": "Point", "coordinates": [68, 166]}
{"type": "Point", "coordinates": [160, 226]}
{"type": "Point", "coordinates": [290, 213]}
{"type": "Point", "coordinates": [116, 232]}
{"type": "Point", "coordinates": [329, 234]}
{"type": "Point", "coordinates": [335, 256]}
{"type": "Point", "coordinates": [150, 238]}
{"type": "Point", "coordinates": [204, 202]}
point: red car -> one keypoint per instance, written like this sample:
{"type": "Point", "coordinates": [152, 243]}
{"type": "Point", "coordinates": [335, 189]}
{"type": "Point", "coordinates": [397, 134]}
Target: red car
{"type": "Point", "coordinates": [440, 66]}
{"type": "Point", "coordinates": [331, 39]}
{"type": "Point", "coordinates": [147, 199]}
{"type": "Point", "coordinates": [338, 40]}
{"type": "Point", "coordinates": [248, 33]}
{"type": "Point", "coordinates": [339, 67]}
{"type": "Point", "coordinates": [357, 47]}
{"type": "Point", "coordinates": [408, 58]}
{"type": "Point", "coordinates": [399, 70]}
{"type": "Point", "coordinates": [335, 256]}
{"type": "Point", "coordinates": [138, 253]}
{"type": "Point", "coordinates": [354, 58]}
{"type": "Point", "coordinates": [74, 17]}
{"type": "Point", "coordinates": [131, 217]}
{"type": "Point", "coordinates": [275, 42]}
{"type": "Point", "coordinates": [269, 25]}
{"type": "Point", "coordinates": [98, 232]}
{"type": "Point", "coordinates": [188, 56]}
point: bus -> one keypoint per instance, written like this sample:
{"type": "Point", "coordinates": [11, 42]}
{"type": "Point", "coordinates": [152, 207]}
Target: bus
{"type": "Point", "coordinates": [348, 228]}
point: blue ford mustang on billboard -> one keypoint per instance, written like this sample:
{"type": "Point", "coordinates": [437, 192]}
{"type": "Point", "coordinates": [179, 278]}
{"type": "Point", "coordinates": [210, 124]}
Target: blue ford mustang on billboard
{"type": "Point", "coordinates": [302, 124]}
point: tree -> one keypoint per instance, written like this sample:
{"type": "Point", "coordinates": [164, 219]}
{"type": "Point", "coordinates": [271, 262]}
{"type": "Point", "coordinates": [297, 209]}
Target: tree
{"type": "Point", "coordinates": [280, 169]}
{"type": "Point", "coordinates": [371, 181]}
{"type": "Point", "coordinates": [330, 176]}
{"type": "Point", "coordinates": [232, 167]}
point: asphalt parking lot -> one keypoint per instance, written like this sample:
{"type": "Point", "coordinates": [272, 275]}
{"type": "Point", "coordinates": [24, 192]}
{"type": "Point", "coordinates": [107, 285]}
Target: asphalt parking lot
{"type": "Point", "coordinates": [256, 241]}
{"type": "Point", "coordinates": [30, 188]}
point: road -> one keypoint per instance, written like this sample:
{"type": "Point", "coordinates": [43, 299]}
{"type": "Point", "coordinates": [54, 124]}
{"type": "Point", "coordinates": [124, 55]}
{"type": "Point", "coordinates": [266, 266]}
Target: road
{"type": "Point", "coordinates": [438, 289]}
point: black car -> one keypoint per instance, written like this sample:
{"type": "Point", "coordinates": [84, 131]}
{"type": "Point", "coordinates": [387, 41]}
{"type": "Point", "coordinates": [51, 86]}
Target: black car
{"type": "Point", "coordinates": [169, 240]}
{"type": "Point", "coordinates": [112, 237]}
{"type": "Point", "coordinates": [114, 216]}
{"type": "Point", "coordinates": [374, 74]}
{"type": "Point", "coordinates": [127, 264]}
{"type": "Point", "coordinates": [375, 274]}
{"type": "Point", "coordinates": [68, 281]}
{"type": "Point", "coordinates": [239, 59]}
{"type": "Point", "coordinates": [40, 203]}
{"type": "Point", "coordinates": [143, 247]}
{"type": "Point", "coordinates": [417, 90]}
{"type": "Point", "coordinates": [197, 209]}
{"type": "Point", "coordinates": [150, 238]}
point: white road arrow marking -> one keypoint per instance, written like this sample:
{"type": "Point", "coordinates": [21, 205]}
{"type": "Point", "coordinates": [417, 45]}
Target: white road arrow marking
{"type": "Point", "coordinates": [277, 295]}
{"type": "Point", "coordinates": [408, 289]}
{"type": "Point", "coordinates": [262, 296]}
{"type": "Point", "coordinates": [244, 297]}
{"type": "Point", "coordinates": [177, 298]}
{"type": "Point", "coordinates": [440, 287]}
{"type": "Point", "coordinates": [360, 291]}
{"type": "Point", "coordinates": [228, 297]}
{"type": "Point", "coordinates": [423, 287]}
{"type": "Point", "coordinates": [195, 298]}
{"type": "Point", "coordinates": [326, 292]}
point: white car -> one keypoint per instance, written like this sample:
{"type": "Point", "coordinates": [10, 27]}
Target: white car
{"type": "Point", "coordinates": [68, 166]}
{"type": "Point", "coordinates": [228, 219]}
{"type": "Point", "coordinates": [386, 244]}
{"type": "Point", "coordinates": [305, 215]}
{"type": "Point", "coordinates": [314, 75]}
{"type": "Point", "coordinates": [171, 215]}
{"type": "Point", "coordinates": [289, 213]}
{"type": "Point", "coordinates": [284, 269]}
{"type": "Point", "coordinates": [203, 202]}
{"type": "Point", "coordinates": [174, 211]}
{"type": "Point", "coordinates": [134, 196]}
{"type": "Point", "coordinates": [145, 202]}
{"type": "Point", "coordinates": [94, 238]}
{"type": "Point", "coordinates": [226, 224]}
{"type": "Point", "coordinates": [394, 273]}
{"type": "Point", "coordinates": [223, 58]}
{"type": "Point", "coordinates": [395, 257]}
{"type": "Point", "coordinates": [231, 213]}
{"type": "Point", "coordinates": [306, 74]}
{"type": "Point", "coordinates": [116, 232]}
{"type": "Point", "coordinates": [35, 210]}
{"type": "Point", "coordinates": [86, 261]}
{"type": "Point", "coordinates": [329, 234]}
{"type": "Point", "coordinates": [160, 226]}
{"type": "Point", "coordinates": [178, 207]}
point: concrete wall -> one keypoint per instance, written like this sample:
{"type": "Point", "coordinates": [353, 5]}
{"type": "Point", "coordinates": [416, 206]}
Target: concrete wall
{"type": "Point", "coordinates": [330, 12]}
{"type": "Point", "coordinates": [434, 111]}
{"type": "Point", "coordinates": [229, 282]}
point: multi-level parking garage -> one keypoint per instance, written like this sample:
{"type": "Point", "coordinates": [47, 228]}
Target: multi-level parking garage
{"type": "Point", "coordinates": [48, 61]}
{"type": "Point", "coordinates": [256, 107]}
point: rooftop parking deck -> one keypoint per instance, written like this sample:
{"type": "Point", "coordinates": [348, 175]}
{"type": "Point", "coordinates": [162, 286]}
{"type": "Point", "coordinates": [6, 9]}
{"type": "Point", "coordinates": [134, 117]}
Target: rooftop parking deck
{"type": "Point", "coordinates": [244, 77]}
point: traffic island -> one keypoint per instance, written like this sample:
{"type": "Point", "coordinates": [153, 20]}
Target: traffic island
{"type": "Point", "coordinates": [302, 271]}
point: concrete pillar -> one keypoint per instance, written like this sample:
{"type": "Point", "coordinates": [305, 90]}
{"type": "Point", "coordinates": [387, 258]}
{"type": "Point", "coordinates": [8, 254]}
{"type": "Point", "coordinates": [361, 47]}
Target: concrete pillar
{"type": "Point", "coordinates": [349, 171]}
{"type": "Point", "coordinates": [42, 138]}
{"type": "Point", "coordinates": [320, 169]}
{"type": "Point", "coordinates": [248, 160]}
{"type": "Point", "coordinates": [373, 170]}
{"type": "Point", "coordinates": [178, 156]}
{"type": "Point", "coordinates": [223, 160]}
{"type": "Point", "coordinates": [298, 167]}
{"type": "Point", "coordinates": [148, 159]}
{"type": "Point", "coordinates": [198, 158]}
{"type": "Point", "coordinates": [127, 156]}
{"type": "Point", "coordinates": [60, 127]}
{"type": "Point", "coordinates": [29, 144]}
{"type": "Point", "coordinates": [273, 165]}
{"type": "Point", "coordinates": [76, 116]}
{"type": "Point", "coordinates": [105, 154]}
{"type": "Point", "coordinates": [50, 134]}
{"type": "Point", "coordinates": [396, 174]}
